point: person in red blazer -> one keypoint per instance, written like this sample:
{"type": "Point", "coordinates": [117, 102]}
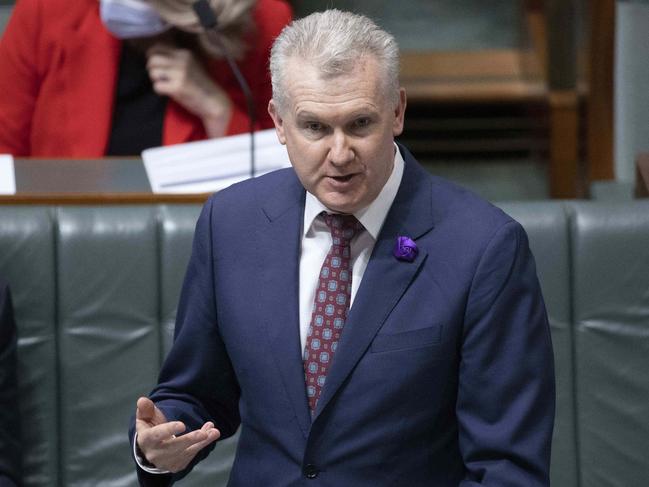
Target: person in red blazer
{"type": "Point", "coordinates": [59, 69]}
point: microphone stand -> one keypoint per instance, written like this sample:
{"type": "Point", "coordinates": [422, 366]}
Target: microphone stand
{"type": "Point", "coordinates": [208, 20]}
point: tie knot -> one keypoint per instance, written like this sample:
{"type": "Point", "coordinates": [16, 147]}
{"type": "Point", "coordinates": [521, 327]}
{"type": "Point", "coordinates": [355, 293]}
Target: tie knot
{"type": "Point", "coordinates": [342, 227]}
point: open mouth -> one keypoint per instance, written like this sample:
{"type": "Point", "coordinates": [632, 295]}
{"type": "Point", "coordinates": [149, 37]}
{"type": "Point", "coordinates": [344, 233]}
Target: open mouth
{"type": "Point", "coordinates": [342, 179]}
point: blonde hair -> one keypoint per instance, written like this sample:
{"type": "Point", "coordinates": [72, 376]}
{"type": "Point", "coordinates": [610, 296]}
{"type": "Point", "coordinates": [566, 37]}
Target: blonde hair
{"type": "Point", "coordinates": [234, 21]}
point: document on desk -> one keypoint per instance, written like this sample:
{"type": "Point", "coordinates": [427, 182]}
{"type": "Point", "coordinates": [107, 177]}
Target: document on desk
{"type": "Point", "coordinates": [211, 165]}
{"type": "Point", "coordinates": [7, 175]}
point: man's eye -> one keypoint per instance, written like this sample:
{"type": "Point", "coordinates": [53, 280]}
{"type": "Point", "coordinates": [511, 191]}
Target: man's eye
{"type": "Point", "coordinates": [362, 123]}
{"type": "Point", "coordinates": [313, 126]}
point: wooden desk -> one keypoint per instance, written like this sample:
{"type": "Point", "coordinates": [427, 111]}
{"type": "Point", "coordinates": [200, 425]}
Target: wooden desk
{"type": "Point", "coordinates": [87, 181]}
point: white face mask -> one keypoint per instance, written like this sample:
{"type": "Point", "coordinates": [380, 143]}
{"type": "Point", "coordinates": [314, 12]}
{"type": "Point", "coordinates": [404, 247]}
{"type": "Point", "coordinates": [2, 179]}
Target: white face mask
{"type": "Point", "coordinates": [129, 19]}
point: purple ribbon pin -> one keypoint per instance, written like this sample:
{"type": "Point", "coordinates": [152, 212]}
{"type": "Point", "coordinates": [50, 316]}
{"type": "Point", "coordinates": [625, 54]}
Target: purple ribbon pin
{"type": "Point", "coordinates": [405, 249]}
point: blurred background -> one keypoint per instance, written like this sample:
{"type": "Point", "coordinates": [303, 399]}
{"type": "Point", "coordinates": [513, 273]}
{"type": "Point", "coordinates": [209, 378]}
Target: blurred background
{"type": "Point", "coordinates": [519, 99]}
{"type": "Point", "coordinates": [522, 99]}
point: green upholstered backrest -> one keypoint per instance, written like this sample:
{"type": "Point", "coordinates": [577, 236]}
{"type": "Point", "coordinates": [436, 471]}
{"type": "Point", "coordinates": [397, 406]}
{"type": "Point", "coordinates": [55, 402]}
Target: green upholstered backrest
{"type": "Point", "coordinates": [28, 262]}
{"type": "Point", "coordinates": [96, 288]}
{"type": "Point", "coordinates": [610, 260]}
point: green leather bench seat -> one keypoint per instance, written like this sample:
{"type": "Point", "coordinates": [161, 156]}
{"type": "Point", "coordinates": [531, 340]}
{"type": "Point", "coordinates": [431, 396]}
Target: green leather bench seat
{"type": "Point", "coordinates": [95, 291]}
{"type": "Point", "coordinates": [27, 260]}
{"type": "Point", "coordinates": [611, 320]}
{"type": "Point", "coordinates": [96, 287]}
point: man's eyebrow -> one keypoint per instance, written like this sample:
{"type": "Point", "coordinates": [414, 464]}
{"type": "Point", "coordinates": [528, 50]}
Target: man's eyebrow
{"type": "Point", "coordinates": [363, 114]}
{"type": "Point", "coordinates": [368, 112]}
{"type": "Point", "coordinates": [304, 114]}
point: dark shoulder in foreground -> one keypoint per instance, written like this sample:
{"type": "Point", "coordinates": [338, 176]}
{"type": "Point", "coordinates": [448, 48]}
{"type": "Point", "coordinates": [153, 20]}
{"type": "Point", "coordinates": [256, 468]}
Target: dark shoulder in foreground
{"type": "Point", "coordinates": [465, 204]}
{"type": "Point", "coordinates": [277, 188]}
{"type": "Point", "coordinates": [452, 204]}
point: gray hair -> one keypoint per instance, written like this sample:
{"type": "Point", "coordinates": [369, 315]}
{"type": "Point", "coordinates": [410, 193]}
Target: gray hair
{"type": "Point", "coordinates": [333, 41]}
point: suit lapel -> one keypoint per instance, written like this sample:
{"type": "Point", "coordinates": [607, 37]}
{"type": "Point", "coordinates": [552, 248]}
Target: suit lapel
{"type": "Point", "coordinates": [386, 279]}
{"type": "Point", "coordinates": [279, 242]}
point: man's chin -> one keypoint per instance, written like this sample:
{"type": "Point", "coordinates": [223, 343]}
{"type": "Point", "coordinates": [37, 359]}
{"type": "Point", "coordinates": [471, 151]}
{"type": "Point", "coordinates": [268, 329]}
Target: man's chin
{"type": "Point", "coordinates": [340, 203]}
{"type": "Point", "coordinates": [342, 198]}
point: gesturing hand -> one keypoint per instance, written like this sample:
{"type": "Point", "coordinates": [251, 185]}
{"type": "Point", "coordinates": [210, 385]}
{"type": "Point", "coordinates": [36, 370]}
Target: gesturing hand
{"type": "Point", "coordinates": [157, 440]}
{"type": "Point", "coordinates": [177, 73]}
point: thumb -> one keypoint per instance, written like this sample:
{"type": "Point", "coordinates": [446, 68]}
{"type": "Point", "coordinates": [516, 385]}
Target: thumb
{"type": "Point", "coordinates": [147, 412]}
{"type": "Point", "coordinates": [145, 409]}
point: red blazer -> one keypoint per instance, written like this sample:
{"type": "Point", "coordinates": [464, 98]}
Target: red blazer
{"type": "Point", "coordinates": [58, 71]}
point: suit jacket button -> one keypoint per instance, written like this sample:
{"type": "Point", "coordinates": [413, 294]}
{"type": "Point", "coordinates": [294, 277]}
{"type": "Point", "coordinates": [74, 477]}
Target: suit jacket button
{"type": "Point", "coordinates": [310, 471]}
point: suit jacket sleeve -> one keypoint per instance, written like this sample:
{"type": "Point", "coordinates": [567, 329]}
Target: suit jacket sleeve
{"type": "Point", "coordinates": [505, 405]}
{"type": "Point", "coordinates": [197, 383]}
{"type": "Point", "coordinates": [10, 444]}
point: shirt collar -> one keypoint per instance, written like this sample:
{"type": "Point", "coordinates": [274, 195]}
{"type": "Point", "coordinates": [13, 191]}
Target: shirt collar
{"type": "Point", "coordinates": [373, 215]}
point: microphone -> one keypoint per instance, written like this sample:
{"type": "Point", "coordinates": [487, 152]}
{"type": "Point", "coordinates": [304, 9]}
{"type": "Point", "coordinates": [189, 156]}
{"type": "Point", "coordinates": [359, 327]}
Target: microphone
{"type": "Point", "coordinates": [205, 14]}
{"type": "Point", "coordinates": [208, 21]}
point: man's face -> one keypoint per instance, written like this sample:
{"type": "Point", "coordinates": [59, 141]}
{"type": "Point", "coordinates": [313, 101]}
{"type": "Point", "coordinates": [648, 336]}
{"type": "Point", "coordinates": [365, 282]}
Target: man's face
{"type": "Point", "coordinates": [339, 132]}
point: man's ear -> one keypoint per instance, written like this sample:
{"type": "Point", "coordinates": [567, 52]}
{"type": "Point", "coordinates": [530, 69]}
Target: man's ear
{"type": "Point", "coordinates": [277, 120]}
{"type": "Point", "coordinates": [399, 113]}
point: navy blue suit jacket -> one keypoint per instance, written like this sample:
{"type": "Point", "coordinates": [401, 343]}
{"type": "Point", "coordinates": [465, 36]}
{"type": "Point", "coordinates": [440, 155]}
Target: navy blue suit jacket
{"type": "Point", "coordinates": [444, 372]}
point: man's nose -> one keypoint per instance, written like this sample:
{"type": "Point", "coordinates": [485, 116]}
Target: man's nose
{"type": "Point", "coordinates": [340, 152]}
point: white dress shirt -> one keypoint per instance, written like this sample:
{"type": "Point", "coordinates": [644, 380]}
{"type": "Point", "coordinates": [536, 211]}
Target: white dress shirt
{"type": "Point", "coordinates": [316, 241]}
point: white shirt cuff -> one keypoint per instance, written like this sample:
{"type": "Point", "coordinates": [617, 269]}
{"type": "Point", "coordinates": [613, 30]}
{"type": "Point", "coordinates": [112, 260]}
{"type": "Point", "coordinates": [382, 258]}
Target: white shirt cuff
{"type": "Point", "coordinates": [141, 461]}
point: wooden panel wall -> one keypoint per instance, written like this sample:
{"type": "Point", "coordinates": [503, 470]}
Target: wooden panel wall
{"type": "Point", "coordinates": [599, 105]}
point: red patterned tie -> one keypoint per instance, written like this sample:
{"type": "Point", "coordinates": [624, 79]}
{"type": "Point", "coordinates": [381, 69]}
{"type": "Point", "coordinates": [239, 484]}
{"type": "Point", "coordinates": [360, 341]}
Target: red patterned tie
{"type": "Point", "coordinates": [331, 304]}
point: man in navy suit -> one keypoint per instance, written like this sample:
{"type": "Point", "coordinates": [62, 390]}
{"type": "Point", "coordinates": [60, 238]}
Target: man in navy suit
{"type": "Point", "coordinates": [363, 322]}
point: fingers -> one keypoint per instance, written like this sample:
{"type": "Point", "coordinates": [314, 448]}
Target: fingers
{"type": "Point", "coordinates": [161, 49]}
{"type": "Point", "coordinates": [161, 62]}
{"type": "Point", "coordinates": [163, 432]}
{"type": "Point", "coordinates": [162, 442]}
{"type": "Point", "coordinates": [163, 68]}
{"type": "Point", "coordinates": [179, 74]}
{"type": "Point", "coordinates": [161, 80]}
{"type": "Point", "coordinates": [203, 437]}
{"type": "Point", "coordinates": [176, 452]}
{"type": "Point", "coordinates": [168, 71]}
{"type": "Point", "coordinates": [211, 436]}
{"type": "Point", "coordinates": [168, 57]}
{"type": "Point", "coordinates": [190, 444]}
{"type": "Point", "coordinates": [151, 437]}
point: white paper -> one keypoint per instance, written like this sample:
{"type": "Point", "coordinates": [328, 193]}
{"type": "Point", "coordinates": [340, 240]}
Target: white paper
{"type": "Point", "coordinates": [7, 175]}
{"type": "Point", "coordinates": [210, 165]}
